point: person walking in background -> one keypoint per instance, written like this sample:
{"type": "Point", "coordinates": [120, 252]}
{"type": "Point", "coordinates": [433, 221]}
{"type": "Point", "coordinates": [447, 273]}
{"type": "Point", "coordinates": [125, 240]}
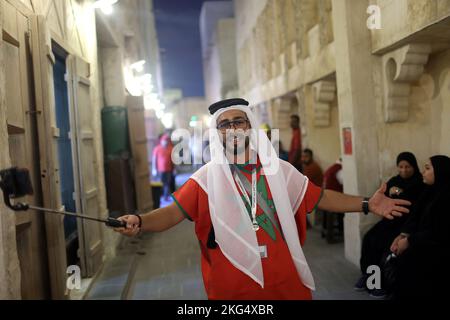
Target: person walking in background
{"type": "Point", "coordinates": [162, 164]}
{"type": "Point", "coordinates": [295, 151]}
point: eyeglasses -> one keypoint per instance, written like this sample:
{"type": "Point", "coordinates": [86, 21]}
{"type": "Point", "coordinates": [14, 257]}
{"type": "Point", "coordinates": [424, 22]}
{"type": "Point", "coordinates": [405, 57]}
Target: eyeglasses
{"type": "Point", "coordinates": [240, 123]}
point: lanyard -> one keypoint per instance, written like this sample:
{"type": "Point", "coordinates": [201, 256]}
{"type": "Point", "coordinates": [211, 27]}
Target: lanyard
{"type": "Point", "coordinates": [253, 202]}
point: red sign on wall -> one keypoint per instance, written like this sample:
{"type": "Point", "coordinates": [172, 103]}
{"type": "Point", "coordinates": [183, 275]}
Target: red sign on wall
{"type": "Point", "coordinates": [347, 138]}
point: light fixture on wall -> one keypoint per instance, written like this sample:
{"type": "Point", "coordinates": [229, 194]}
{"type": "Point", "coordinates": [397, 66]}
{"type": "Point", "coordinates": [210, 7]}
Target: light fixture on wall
{"type": "Point", "coordinates": [207, 120]}
{"type": "Point", "coordinates": [194, 122]}
{"type": "Point", "coordinates": [167, 120]}
{"type": "Point", "coordinates": [105, 5]}
{"type": "Point", "coordinates": [138, 66]}
{"type": "Point", "coordinates": [138, 84]}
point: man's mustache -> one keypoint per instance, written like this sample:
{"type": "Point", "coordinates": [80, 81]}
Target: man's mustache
{"type": "Point", "coordinates": [239, 134]}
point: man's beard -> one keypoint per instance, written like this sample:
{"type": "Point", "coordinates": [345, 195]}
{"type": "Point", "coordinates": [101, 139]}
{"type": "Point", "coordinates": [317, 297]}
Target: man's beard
{"type": "Point", "coordinates": [238, 149]}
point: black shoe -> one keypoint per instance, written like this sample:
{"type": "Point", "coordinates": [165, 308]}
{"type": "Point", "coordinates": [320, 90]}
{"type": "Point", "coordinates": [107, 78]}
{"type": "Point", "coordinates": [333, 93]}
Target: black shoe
{"type": "Point", "coordinates": [378, 293]}
{"type": "Point", "coordinates": [361, 285]}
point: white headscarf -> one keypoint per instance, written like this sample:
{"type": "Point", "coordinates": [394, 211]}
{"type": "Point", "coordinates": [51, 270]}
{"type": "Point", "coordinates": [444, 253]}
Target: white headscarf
{"type": "Point", "coordinates": [233, 228]}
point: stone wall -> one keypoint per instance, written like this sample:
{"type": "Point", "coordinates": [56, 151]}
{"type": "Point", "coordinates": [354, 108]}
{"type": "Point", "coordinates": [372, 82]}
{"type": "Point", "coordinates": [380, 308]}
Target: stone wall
{"type": "Point", "coordinates": [72, 24]}
{"type": "Point", "coordinates": [226, 43]}
{"type": "Point", "coordinates": [132, 30]}
{"type": "Point", "coordinates": [427, 130]}
{"type": "Point", "coordinates": [212, 75]}
{"type": "Point", "coordinates": [393, 92]}
{"type": "Point", "coordinates": [9, 262]}
{"type": "Point", "coordinates": [284, 49]}
{"type": "Point", "coordinates": [304, 46]}
{"type": "Point", "coordinates": [402, 18]}
{"type": "Point", "coordinates": [218, 38]}
{"type": "Point", "coordinates": [219, 67]}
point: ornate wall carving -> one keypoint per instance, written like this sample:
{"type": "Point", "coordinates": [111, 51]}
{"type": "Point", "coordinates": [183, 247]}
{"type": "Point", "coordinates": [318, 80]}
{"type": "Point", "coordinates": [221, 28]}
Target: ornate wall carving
{"type": "Point", "coordinates": [402, 68]}
{"type": "Point", "coordinates": [307, 17]}
{"type": "Point", "coordinates": [324, 94]}
{"type": "Point", "coordinates": [325, 22]}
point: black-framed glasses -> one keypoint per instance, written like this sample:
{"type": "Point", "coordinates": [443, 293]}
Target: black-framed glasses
{"type": "Point", "coordinates": [239, 123]}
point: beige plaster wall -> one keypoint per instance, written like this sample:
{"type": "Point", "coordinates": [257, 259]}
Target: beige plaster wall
{"type": "Point", "coordinates": [401, 18]}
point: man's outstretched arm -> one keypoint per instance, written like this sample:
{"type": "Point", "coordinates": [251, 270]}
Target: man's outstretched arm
{"type": "Point", "coordinates": [379, 204]}
{"type": "Point", "coordinates": [155, 221]}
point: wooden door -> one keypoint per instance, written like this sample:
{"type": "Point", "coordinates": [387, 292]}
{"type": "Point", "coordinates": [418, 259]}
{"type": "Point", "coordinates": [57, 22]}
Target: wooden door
{"type": "Point", "coordinates": [90, 232]}
{"type": "Point", "coordinates": [21, 113]}
{"type": "Point", "coordinates": [48, 133]}
{"type": "Point", "coordinates": [138, 140]}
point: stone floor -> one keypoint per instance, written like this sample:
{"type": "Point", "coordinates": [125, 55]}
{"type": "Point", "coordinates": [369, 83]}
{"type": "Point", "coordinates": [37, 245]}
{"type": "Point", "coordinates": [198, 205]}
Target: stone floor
{"type": "Point", "coordinates": [166, 266]}
{"type": "Point", "coordinates": [333, 274]}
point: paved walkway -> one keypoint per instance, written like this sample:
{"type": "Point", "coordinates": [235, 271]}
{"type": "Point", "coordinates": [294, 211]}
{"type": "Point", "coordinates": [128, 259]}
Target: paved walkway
{"type": "Point", "coordinates": [333, 274]}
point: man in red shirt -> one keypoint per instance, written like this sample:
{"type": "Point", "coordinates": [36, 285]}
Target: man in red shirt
{"type": "Point", "coordinates": [250, 221]}
{"type": "Point", "coordinates": [311, 168]}
{"type": "Point", "coordinates": [162, 163]}
{"type": "Point", "coordinates": [295, 150]}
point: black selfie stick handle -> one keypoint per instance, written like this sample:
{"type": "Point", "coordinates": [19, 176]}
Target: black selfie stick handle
{"type": "Point", "coordinates": [16, 183]}
{"type": "Point", "coordinates": [115, 223]}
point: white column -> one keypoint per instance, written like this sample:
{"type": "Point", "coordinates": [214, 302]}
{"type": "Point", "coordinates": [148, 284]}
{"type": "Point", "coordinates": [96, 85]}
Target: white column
{"type": "Point", "coordinates": [354, 68]}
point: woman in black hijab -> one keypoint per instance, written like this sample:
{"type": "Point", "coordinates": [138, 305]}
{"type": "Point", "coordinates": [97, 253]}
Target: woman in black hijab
{"type": "Point", "coordinates": [423, 247]}
{"type": "Point", "coordinates": [406, 185]}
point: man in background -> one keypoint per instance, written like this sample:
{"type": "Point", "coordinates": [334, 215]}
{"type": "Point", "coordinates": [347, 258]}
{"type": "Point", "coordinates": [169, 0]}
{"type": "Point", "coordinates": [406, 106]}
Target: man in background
{"type": "Point", "coordinates": [295, 150]}
{"type": "Point", "coordinates": [163, 165]}
{"type": "Point", "coordinates": [310, 168]}
{"type": "Point", "coordinates": [277, 145]}
{"type": "Point", "coordinates": [333, 180]}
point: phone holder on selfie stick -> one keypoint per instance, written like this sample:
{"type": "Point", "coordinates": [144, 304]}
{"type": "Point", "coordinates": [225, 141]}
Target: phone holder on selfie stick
{"type": "Point", "coordinates": [16, 183]}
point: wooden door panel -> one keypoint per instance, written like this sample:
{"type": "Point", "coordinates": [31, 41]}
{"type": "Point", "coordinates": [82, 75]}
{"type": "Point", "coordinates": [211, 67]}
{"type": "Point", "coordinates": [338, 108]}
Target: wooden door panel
{"type": "Point", "coordinates": [138, 140]}
{"type": "Point", "coordinates": [90, 233]}
{"type": "Point", "coordinates": [10, 19]}
{"type": "Point", "coordinates": [12, 91]}
{"type": "Point", "coordinates": [43, 61]}
{"type": "Point", "coordinates": [36, 228]}
{"type": "Point", "coordinates": [19, 158]}
{"type": "Point", "coordinates": [30, 231]}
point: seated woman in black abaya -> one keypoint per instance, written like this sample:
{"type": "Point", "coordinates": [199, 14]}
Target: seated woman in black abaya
{"type": "Point", "coordinates": [408, 185]}
{"type": "Point", "coordinates": [423, 247]}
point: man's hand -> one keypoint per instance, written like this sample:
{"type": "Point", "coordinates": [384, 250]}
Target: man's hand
{"type": "Point", "coordinates": [132, 225]}
{"type": "Point", "coordinates": [155, 221]}
{"type": "Point", "coordinates": [387, 207]}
